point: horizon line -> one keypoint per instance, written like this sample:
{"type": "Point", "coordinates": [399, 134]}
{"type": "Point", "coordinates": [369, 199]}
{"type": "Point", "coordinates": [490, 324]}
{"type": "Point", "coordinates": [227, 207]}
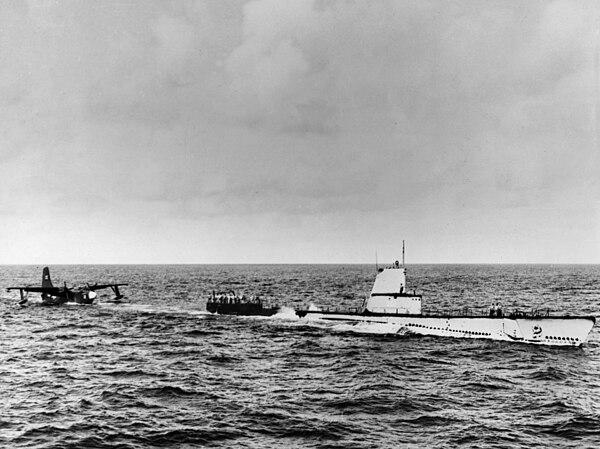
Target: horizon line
{"type": "Point", "coordinates": [297, 263]}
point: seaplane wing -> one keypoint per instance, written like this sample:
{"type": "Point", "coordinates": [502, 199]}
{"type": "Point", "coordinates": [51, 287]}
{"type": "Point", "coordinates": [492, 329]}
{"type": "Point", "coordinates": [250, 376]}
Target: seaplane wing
{"type": "Point", "coordinates": [48, 290]}
{"type": "Point", "coordinates": [114, 287]}
{"type": "Point", "coordinates": [101, 286]}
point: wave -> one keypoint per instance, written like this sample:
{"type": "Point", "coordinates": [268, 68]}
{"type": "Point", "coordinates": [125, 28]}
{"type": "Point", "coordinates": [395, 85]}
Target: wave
{"type": "Point", "coordinates": [160, 372]}
{"type": "Point", "coordinates": [132, 373]}
{"type": "Point", "coordinates": [549, 373]}
{"type": "Point", "coordinates": [171, 391]}
{"type": "Point", "coordinates": [283, 425]}
{"type": "Point", "coordinates": [576, 427]}
{"type": "Point", "coordinates": [190, 436]}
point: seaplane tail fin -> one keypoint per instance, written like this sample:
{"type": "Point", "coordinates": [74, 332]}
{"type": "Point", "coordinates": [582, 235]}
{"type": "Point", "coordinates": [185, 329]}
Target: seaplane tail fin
{"type": "Point", "coordinates": [46, 281]}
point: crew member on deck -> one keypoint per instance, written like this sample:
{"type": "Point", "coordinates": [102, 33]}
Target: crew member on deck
{"type": "Point", "coordinates": [492, 310]}
{"type": "Point", "coordinates": [498, 310]}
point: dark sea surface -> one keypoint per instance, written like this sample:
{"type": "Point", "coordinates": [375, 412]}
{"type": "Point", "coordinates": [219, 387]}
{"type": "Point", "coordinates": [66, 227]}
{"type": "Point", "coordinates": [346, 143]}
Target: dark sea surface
{"type": "Point", "coordinates": [158, 371]}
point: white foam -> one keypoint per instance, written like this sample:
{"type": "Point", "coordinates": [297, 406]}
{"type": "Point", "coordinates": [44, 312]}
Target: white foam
{"type": "Point", "coordinates": [364, 327]}
{"type": "Point", "coordinates": [200, 313]}
{"type": "Point", "coordinates": [286, 313]}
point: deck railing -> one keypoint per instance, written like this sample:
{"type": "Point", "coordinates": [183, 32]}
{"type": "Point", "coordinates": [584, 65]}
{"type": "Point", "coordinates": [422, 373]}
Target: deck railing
{"type": "Point", "coordinates": [447, 312]}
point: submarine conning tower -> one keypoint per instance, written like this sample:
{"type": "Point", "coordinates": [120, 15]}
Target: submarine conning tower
{"type": "Point", "coordinates": [389, 293]}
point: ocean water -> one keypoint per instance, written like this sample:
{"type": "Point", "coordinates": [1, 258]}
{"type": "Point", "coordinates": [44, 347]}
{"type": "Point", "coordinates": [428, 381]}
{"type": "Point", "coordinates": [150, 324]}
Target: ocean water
{"type": "Point", "coordinates": [158, 371]}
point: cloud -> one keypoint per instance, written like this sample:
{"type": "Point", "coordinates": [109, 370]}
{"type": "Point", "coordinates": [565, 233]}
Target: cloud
{"type": "Point", "coordinates": [272, 83]}
{"type": "Point", "coordinates": [146, 112]}
{"type": "Point", "coordinates": [418, 100]}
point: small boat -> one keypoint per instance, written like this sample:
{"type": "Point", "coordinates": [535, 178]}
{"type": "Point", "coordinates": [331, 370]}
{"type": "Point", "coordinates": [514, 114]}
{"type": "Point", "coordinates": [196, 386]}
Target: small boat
{"type": "Point", "coordinates": [395, 310]}
{"type": "Point", "coordinates": [230, 303]}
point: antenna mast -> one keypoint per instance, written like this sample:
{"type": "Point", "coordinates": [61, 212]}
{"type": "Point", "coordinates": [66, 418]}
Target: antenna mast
{"type": "Point", "coordinates": [402, 253]}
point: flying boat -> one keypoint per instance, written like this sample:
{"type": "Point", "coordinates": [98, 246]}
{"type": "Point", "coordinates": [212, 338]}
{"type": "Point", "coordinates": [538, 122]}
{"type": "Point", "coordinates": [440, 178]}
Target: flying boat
{"type": "Point", "coordinates": [53, 296]}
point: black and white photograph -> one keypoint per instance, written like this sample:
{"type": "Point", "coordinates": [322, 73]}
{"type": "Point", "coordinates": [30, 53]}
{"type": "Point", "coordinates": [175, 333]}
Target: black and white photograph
{"type": "Point", "coordinates": [261, 224]}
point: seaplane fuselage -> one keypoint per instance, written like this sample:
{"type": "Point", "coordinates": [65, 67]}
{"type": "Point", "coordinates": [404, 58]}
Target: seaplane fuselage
{"type": "Point", "coordinates": [79, 296]}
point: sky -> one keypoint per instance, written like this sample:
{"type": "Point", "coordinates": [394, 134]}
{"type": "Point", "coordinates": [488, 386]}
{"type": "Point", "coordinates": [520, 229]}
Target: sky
{"type": "Point", "coordinates": [299, 131]}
